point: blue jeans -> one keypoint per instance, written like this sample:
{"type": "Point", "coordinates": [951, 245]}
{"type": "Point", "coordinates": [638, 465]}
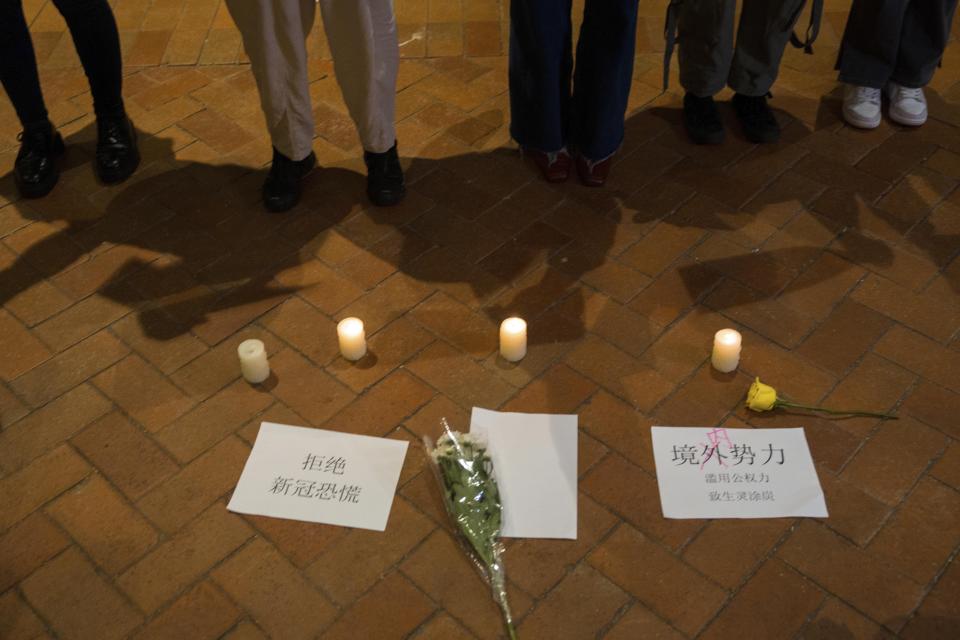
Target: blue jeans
{"type": "Point", "coordinates": [545, 114]}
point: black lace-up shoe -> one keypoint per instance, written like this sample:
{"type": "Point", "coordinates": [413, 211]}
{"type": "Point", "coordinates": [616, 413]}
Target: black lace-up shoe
{"type": "Point", "coordinates": [282, 188]}
{"type": "Point", "coordinates": [757, 119]}
{"type": "Point", "coordinates": [117, 155]}
{"type": "Point", "coordinates": [702, 120]}
{"type": "Point", "coordinates": [35, 170]}
{"type": "Point", "coordinates": [385, 186]}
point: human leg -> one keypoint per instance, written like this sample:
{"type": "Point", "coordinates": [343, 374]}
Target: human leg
{"type": "Point", "coordinates": [602, 80]}
{"type": "Point", "coordinates": [366, 57]}
{"type": "Point", "coordinates": [274, 36]}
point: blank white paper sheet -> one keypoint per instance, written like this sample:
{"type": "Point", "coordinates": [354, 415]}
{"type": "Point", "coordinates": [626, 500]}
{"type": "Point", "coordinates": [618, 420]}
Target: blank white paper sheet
{"type": "Point", "coordinates": [535, 463]}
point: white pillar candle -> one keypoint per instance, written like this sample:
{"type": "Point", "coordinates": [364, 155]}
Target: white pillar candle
{"type": "Point", "coordinates": [726, 350]}
{"type": "Point", "coordinates": [353, 339]}
{"type": "Point", "coordinates": [513, 339]}
{"type": "Point", "coordinates": [253, 361]}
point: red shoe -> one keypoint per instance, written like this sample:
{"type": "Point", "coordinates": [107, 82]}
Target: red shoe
{"type": "Point", "coordinates": [593, 174]}
{"type": "Point", "coordinates": [554, 167]}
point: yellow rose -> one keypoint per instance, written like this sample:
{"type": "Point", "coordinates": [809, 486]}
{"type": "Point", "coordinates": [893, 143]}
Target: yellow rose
{"type": "Point", "coordinates": [761, 397]}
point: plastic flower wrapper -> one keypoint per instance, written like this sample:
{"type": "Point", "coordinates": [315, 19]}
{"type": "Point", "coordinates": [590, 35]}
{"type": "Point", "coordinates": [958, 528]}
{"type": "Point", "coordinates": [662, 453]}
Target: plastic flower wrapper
{"type": "Point", "coordinates": [763, 397]}
{"type": "Point", "coordinates": [465, 472]}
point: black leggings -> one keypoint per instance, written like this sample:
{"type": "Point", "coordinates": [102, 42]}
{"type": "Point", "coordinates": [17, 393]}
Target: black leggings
{"type": "Point", "coordinates": [95, 36]}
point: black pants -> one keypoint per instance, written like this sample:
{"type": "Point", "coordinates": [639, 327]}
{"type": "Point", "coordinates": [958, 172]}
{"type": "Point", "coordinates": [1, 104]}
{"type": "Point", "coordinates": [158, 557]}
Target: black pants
{"type": "Point", "coordinates": [898, 40]}
{"type": "Point", "coordinates": [95, 36]}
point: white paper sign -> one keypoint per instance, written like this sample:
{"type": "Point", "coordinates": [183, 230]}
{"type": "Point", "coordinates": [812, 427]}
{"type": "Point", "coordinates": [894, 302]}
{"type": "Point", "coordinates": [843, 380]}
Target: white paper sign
{"type": "Point", "coordinates": [535, 463]}
{"type": "Point", "coordinates": [708, 472]}
{"type": "Point", "coordinates": [320, 476]}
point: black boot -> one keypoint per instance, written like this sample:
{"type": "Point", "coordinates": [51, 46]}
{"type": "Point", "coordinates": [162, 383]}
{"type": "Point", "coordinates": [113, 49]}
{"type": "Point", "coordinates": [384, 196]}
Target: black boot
{"type": "Point", "coordinates": [117, 154]}
{"type": "Point", "coordinates": [702, 120]}
{"type": "Point", "coordinates": [281, 189]}
{"type": "Point", "coordinates": [757, 119]}
{"type": "Point", "coordinates": [384, 177]}
{"type": "Point", "coordinates": [35, 170]}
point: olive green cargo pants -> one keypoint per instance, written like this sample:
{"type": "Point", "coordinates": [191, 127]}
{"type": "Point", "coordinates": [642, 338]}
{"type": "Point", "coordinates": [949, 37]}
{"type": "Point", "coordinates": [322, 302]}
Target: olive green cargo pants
{"type": "Point", "coordinates": [710, 57]}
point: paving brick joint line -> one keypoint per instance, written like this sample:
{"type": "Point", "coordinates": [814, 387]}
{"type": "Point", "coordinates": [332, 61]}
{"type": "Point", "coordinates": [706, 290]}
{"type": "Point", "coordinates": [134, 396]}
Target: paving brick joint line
{"type": "Point", "coordinates": [124, 422]}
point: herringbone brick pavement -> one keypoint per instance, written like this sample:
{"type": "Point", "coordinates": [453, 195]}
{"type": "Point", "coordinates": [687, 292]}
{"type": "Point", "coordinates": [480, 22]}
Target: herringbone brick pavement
{"type": "Point", "coordinates": [125, 424]}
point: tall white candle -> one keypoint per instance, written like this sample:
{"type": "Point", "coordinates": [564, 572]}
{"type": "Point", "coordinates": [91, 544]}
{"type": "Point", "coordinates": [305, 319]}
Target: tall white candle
{"type": "Point", "coordinates": [726, 350]}
{"type": "Point", "coordinates": [353, 339]}
{"type": "Point", "coordinates": [513, 339]}
{"type": "Point", "coordinates": [253, 361]}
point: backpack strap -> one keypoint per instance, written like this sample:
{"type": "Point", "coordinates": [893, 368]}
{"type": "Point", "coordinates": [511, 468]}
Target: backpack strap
{"type": "Point", "coordinates": [813, 29]}
{"type": "Point", "coordinates": [670, 36]}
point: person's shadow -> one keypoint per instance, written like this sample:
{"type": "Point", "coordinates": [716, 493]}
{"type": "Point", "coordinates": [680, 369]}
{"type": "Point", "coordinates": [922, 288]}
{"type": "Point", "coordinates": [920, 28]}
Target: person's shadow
{"type": "Point", "coordinates": [865, 219]}
{"type": "Point", "coordinates": [479, 226]}
{"type": "Point", "coordinates": [197, 240]}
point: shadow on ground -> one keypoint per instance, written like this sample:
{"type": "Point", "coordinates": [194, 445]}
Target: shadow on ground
{"type": "Point", "coordinates": [479, 226]}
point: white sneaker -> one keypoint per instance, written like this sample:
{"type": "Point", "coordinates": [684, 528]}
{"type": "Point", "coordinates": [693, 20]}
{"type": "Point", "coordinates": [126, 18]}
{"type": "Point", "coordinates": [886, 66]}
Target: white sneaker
{"type": "Point", "coordinates": [861, 106]}
{"type": "Point", "coordinates": [907, 106]}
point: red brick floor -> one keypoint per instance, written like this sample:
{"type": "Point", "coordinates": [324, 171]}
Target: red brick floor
{"type": "Point", "coordinates": [125, 425]}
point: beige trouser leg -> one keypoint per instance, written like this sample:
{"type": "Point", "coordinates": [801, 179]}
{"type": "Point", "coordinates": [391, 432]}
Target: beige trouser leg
{"type": "Point", "coordinates": [363, 40]}
{"type": "Point", "coordinates": [275, 38]}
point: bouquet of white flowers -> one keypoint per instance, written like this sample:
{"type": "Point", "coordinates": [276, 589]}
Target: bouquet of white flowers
{"type": "Point", "coordinates": [470, 494]}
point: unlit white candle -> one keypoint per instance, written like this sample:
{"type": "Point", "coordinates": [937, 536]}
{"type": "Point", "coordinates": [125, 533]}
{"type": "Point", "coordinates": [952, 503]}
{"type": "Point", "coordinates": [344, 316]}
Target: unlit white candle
{"type": "Point", "coordinates": [253, 361]}
{"type": "Point", "coordinates": [353, 339]}
{"type": "Point", "coordinates": [726, 350]}
{"type": "Point", "coordinates": [513, 339]}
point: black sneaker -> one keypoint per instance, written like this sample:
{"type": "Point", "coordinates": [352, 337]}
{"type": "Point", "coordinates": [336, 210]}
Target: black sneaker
{"type": "Point", "coordinates": [117, 154]}
{"type": "Point", "coordinates": [757, 119]}
{"type": "Point", "coordinates": [702, 120]}
{"type": "Point", "coordinates": [35, 170]}
{"type": "Point", "coordinates": [385, 186]}
{"type": "Point", "coordinates": [281, 189]}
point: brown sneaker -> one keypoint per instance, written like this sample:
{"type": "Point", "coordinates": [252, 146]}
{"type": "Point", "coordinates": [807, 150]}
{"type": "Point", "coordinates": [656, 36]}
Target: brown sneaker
{"type": "Point", "coordinates": [554, 167]}
{"type": "Point", "coordinates": [592, 174]}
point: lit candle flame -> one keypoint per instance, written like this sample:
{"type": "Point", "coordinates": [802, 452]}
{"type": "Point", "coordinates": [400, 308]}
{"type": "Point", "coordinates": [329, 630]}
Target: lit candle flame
{"type": "Point", "coordinates": [351, 326]}
{"type": "Point", "coordinates": [514, 325]}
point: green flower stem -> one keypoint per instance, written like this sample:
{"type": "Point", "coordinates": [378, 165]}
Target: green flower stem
{"type": "Point", "coordinates": [508, 619]}
{"type": "Point", "coordinates": [868, 414]}
{"type": "Point", "coordinates": [499, 585]}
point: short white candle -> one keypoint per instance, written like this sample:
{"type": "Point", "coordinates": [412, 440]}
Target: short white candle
{"type": "Point", "coordinates": [726, 350]}
{"type": "Point", "coordinates": [513, 339]}
{"type": "Point", "coordinates": [253, 361]}
{"type": "Point", "coordinates": [353, 339]}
